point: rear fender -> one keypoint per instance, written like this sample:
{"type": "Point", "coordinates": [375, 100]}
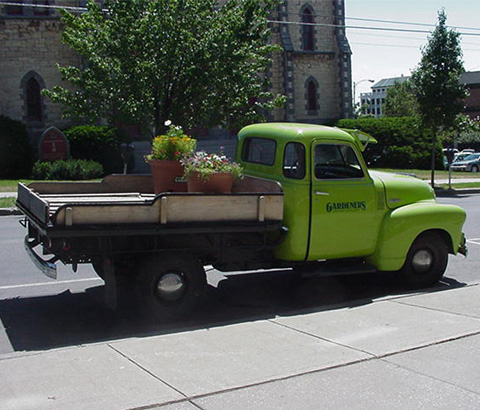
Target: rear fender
{"type": "Point", "coordinates": [403, 225]}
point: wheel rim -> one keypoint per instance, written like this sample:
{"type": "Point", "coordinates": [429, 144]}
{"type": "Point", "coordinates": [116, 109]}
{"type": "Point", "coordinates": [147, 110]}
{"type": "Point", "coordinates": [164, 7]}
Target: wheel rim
{"type": "Point", "coordinates": [171, 286]}
{"type": "Point", "coordinates": [422, 261]}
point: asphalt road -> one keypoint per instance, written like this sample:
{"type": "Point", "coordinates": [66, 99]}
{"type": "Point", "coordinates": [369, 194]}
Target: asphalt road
{"type": "Point", "coordinates": [38, 313]}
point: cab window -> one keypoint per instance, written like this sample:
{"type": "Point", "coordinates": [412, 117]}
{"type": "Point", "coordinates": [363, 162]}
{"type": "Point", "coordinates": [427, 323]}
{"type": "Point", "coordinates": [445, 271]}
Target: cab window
{"type": "Point", "coordinates": [294, 161]}
{"type": "Point", "coordinates": [259, 151]}
{"type": "Point", "coordinates": [336, 161]}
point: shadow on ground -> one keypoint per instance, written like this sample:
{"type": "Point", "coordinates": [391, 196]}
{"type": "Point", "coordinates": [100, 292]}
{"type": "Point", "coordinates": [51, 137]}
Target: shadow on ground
{"type": "Point", "coordinates": [69, 319]}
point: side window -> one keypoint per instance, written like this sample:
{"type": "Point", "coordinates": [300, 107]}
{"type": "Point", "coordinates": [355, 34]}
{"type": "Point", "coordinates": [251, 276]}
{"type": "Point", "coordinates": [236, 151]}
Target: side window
{"type": "Point", "coordinates": [259, 151]}
{"type": "Point", "coordinates": [294, 161]}
{"type": "Point", "coordinates": [336, 161]}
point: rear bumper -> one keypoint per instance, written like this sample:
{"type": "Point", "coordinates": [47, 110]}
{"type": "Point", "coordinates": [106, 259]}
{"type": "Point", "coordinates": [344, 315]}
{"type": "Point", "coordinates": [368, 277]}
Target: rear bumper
{"type": "Point", "coordinates": [48, 268]}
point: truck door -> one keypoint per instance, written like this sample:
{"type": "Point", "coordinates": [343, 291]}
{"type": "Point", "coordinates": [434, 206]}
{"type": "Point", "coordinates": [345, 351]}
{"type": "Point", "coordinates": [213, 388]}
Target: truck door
{"type": "Point", "coordinates": [343, 203]}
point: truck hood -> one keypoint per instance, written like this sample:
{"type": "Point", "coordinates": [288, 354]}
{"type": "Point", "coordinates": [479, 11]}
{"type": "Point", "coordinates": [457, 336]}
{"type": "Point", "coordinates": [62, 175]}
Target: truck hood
{"type": "Point", "coordinates": [403, 189]}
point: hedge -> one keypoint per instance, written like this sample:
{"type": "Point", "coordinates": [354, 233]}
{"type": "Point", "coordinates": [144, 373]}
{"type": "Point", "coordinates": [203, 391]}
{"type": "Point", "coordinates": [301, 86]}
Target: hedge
{"type": "Point", "coordinates": [15, 154]}
{"type": "Point", "coordinates": [71, 170]}
{"type": "Point", "coordinates": [98, 143]}
{"type": "Point", "coordinates": [401, 142]}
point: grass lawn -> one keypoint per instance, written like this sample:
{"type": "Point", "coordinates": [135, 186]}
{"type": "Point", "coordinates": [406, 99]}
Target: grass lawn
{"type": "Point", "coordinates": [10, 185]}
{"type": "Point", "coordinates": [425, 174]}
{"type": "Point", "coordinates": [7, 202]}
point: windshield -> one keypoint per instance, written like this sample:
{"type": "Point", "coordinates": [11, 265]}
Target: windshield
{"type": "Point", "coordinates": [472, 157]}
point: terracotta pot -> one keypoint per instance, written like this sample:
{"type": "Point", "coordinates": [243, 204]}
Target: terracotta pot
{"type": "Point", "coordinates": [219, 183]}
{"type": "Point", "coordinates": [167, 176]}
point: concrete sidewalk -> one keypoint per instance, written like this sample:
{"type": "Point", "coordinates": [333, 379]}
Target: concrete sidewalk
{"type": "Point", "coordinates": [419, 351]}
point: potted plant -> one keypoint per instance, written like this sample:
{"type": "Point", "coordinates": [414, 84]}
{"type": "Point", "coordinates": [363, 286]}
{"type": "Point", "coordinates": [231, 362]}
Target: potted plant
{"type": "Point", "coordinates": [164, 159]}
{"type": "Point", "coordinates": [212, 173]}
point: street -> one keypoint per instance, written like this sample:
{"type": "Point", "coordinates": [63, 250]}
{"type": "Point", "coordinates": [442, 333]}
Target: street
{"type": "Point", "coordinates": [38, 313]}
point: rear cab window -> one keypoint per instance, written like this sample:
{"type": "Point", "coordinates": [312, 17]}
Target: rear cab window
{"type": "Point", "coordinates": [259, 151]}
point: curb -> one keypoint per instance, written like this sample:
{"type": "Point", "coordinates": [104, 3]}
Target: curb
{"type": "Point", "coordinates": [10, 211]}
{"type": "Point", "coordinates": [445, 193]}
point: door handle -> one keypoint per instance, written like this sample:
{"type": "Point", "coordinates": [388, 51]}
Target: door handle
{"type": "Point", "coordinates": [321, 193]}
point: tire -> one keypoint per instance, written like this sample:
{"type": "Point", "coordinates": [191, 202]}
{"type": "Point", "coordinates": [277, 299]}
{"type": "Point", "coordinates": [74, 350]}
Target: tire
{"type": "Point", "coordinates": [474, 168]}
{"type": "Point", "coordinates": [426, 261]}
{"type": "Point", "coordinates": [170, 286]}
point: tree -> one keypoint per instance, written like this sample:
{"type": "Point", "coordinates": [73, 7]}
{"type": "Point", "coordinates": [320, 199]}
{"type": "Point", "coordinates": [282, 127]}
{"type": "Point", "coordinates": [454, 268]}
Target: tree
{"type": "Point", "coordinates": [401, 100]}
{"type": "Point", "coordinates": [436, 82]}
{"type": "Point", "coordinates": [188, 61]}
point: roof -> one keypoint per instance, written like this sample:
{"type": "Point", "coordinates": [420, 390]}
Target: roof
{"type": "Point", "coordinates": [389, 82]}
{"type": "Point", "coordinates": [471, 77]}
{"type": "Point", "coordinates": [305, 133]}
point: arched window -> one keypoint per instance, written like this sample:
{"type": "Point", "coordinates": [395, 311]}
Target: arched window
{"type": "Point", "coordinates": [308, 31]}
{"type": "Point", "coordinates": [34, 100]}
{"type": "Point", "coordinates": [32, 85]}
{"type": "Point", "coordinates": [312, 96]}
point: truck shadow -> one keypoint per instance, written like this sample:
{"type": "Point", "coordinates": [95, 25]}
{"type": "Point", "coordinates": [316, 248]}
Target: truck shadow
{"type": "Point", "coordinates": [69, 319]}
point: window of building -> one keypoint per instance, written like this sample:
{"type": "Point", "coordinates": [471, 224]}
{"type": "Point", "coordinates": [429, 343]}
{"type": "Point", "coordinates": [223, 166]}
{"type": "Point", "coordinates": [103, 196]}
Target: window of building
{"type": "Point", "coordinates": [12, 10]}
{"type": "Point", "coordinates": [308, 31]}
{"type": "Point", "coordinates": [41, 11]}
{"type": "Point", "coordinates": [34, 100]}
{"type": "Point", "coordinates": [32, 85]}
{"type": "Point", "coordinates": [312, 102]}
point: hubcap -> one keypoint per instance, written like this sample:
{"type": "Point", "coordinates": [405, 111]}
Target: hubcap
{"type": "Point", "coordinates": [422, 261]}
{"type": "Point", "coordinates": [170, 286]}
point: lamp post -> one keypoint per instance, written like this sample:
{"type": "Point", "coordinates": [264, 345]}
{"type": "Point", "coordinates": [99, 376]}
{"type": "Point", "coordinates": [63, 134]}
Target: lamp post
{"type": "Point", "coordinates": [355, 88]}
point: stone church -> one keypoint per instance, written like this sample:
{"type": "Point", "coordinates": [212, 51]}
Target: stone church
{"type": "Point", "coordinates": [313, 71]}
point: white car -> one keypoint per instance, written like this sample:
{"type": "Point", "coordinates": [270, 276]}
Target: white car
{"type": "Point", "coordinates": [470, 163]}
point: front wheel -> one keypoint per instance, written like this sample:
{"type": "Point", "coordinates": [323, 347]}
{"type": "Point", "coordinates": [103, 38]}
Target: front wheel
{"type": "Point", "coordinates": [426, 261]}
{"type": "Point", "coordinates": [475, 168]}
{"type": "Point", "coordinates": [170, 286]}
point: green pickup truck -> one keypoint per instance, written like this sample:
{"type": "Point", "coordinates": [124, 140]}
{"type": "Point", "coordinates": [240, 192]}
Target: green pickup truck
{"type": "Point", "coordinates": [307, 202]}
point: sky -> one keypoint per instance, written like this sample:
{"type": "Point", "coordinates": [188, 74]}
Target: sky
{"type": "Point", "coordinates": [385, 54]}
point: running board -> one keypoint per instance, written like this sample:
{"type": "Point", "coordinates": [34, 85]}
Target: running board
{"type": "Point", "coordinates": [335, 268]}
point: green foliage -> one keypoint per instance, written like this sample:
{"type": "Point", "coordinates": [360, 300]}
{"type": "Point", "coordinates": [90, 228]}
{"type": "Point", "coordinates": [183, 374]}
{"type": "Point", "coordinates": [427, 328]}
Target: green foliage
{"type": "Point", "coordinates": [470, 139]}
{"type": "Point", "coordinates": [15, 154]}
{"type": "Point", "coordinates": [436, 79]}
{"type": "Point", "coordinates": [172, 146]}
{"type": "Point", "coordinates": [207, 164]}
{"type": "Point", "coordinates": [401, 100]}
{"type": "Point", "coordinates": [71, 170]}
{"type": "Point", "coordinates": [97, 143]}
{"type": "Point", "coordinates": [189, 61]}
{"type": "Point", "coordinates": [401, 142]}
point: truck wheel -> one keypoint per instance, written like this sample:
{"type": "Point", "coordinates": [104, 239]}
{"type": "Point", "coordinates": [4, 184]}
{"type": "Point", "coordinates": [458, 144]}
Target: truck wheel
{"type": "Point", "coordinates": [170, 286]}
{"type": "Point", "coordinates": [426, 261]}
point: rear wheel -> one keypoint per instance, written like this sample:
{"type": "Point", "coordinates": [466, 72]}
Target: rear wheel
{"type": "Point", "coordinates": [475, 168]}
{"type": "Point", "coordinates": [426, 261]}
{"type": "Point", "coordinates": [170, 286]}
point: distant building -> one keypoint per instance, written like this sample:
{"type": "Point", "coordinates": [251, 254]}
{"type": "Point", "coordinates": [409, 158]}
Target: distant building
{"type": "Point", "coordinates": [374, 101]}
{"type": "Point", "coordinates": [471, 80]}
{"type": "Point", "coordinates": [313, 71]}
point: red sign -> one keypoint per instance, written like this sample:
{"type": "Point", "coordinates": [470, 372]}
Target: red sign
{"type": "Point", "coordinates": [53, 145]}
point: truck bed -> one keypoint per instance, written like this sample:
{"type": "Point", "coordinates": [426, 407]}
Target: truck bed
{"type": "Point", "coordinates": [129, 199]}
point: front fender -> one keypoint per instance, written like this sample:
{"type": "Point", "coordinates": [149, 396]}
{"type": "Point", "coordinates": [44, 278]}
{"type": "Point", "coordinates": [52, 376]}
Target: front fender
{"type": "Point", "coordinates": [402, 225]}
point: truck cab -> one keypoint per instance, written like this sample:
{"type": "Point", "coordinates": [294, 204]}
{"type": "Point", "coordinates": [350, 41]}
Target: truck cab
{"type": "Point", "coordinates": [335, 208]}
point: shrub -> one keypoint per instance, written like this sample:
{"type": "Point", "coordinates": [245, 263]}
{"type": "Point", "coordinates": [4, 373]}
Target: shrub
{"type": "Point", "coordinates": [15, 153]}
{"type": "Point", "coordinates": [401, 142]}
{"type": "Point", "coordinates": [98, 143]}
{"type": "Point", "coordinates": [71, 170]}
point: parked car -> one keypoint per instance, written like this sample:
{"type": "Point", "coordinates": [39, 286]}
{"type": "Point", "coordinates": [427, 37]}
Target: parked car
{"type": "Point", "coordinates": [471, 163]}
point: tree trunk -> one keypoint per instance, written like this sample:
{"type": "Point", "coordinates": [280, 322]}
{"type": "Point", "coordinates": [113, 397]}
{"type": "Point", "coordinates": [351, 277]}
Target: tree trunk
{"type": "Point", "coordinates": [432, 165]}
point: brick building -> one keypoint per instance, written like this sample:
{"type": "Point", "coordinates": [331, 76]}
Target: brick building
{"type": "Point", "coordinates": [313, 71]}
